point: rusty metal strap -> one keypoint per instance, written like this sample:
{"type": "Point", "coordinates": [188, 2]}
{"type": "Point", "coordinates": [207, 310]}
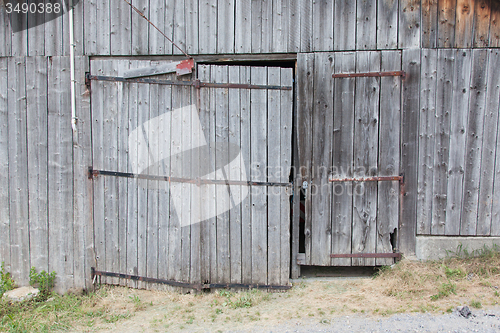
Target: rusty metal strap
{"type": "Point", "coordinates": [369, 179]}
{"type": "Point", "coordinates": [367, 255]}
{"type": "Point", "coordinates": [197, 181]}
{"type": "Point", "coordinates": [197, 286]}
{"type": "Point", "coordinates": [194, 83]}
{"type": "Point", "coordinates": [370, 74]}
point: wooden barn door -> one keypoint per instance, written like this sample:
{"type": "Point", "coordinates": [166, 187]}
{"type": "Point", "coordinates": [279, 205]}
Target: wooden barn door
{"type": "Point", "coordinates": [191, 178]}
{"type": "Point", "coordinates": [349, 154]}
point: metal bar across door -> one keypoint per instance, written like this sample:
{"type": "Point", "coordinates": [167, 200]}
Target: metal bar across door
{"type": "Point", "coordinates": [369, 74]}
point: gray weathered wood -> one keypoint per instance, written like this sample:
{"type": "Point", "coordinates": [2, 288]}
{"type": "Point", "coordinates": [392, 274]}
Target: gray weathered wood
{"type": "Point", "coordinates": [458, 136]}
{"type": "Point", "coordinates": [343, 136]}
{"type": "Point", "coordinates": [198, 140]}
{"type": "Point", "coordinates": [243, 27]}
{"type": "Point", "coordinates": [364, 223]}
{"type": "Point", "coordinates": [20, 38]}
{"type": "Point", "coordinates": [366, 25]}
{"type": "Point", "coordinates": [323, 25]}
{"type": "Point", "coordinates": [162, 16]}
{"type": "Point", "coordinates": [192, 29]}
{"type": "Point", "coordinates": [121, 27]}
{"type": "Point", "coordinates": [36, 36]}
{"type": "Point", "coordinates": [36, 95]}
{"type": "Point", "coordinates": [5, 34]}
{"type": "Point", "coordinates": [387, 24]}
{"type": "Point", "coordinates": [4, 162]}
{"type": "Point", "coordinates": [464, 23]}
{"type": "Point", "coordinates": [267, 26]}
{"type": "Point", "coordinates": [446, 23]}
{"type": "Point", "coordinates": [90, 19]}
{"type": "Point", "coordinates": [444, 99]}
{"type": "Point", "coordinates": [294, 26]}
{"type": "Point", "coordinates": [207, 26]}
{"type": "Point", "coordinates": [54, 35]}
{"type": "Point", "coordinates": [389, 142]}
{"type": "Point", "coordinates": [212, 138]}
{"type": "Point", "coordinates": [256, 27]}
{"type": "Point", "coordinates": [473, 150]}
{"type": "Point", "coordinates": [409, 24]}
{"type": "Point", "coordinates": [280, 29]}
{"type": "Point", "coordinates": [306, 29]}
{"type": "Point", "coordinates": [103, 25]}
{"type": "Point", "coordinates": [345, 25]}
{"type": "Point", "coordinates": [158, 69]}
{"type": "Point", "coordinates": [140, 28]}
{"type": "Point", "coordinates": [482, 12]}
{"type": "Point", "coordinates": [179, 26]}
{"type": "Point", "coordinates": [426, 141]}
{"type": "Point", "coordinates": [225, 27]}
{"type": "Point", "coordinates": [429, 23]}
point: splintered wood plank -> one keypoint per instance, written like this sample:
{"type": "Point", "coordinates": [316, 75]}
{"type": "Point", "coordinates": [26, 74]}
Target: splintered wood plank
{"type": "Point", "coordinates": [225, 27]}
{"type": "Point", "coordinates": [60, 153]}
{"type": "Point", "coordinates": [495, 24]}
{"type": "Point", "coordinates": [258, 118]}
{"type": "Point", "coordinates": [220, 74]}
{"type": "Point", "coordinates": [446, 23]}
{"type": "Point", "coordinates": [389, 143]}
{"type": "Point", "coordinates": [458, 136]}
{"type": "Point", "coordinates": [345, 25]}
{"type": "Point", "coordinates": [306, 29]}
{"type": "Point", "coordinates": [489, 149]}
{"type": "Point", "coordinates": [121, 26]}
{"type": "Point", "coordinates": [246, 219]}
{"type": "Point", "coordinates": [179, 26]}
{"type": "Point", "coordinates": [473, 150]}
{"type": "Point", "coordinates": [280, 30]}
{"type": "Point", "coordinates": [285, 168]}
{"type": "Point", "coordinates": [464, 24]}
{"type": "Point", "coordinates": [482, 12]}
{"type": "Point", "coordinates": [426, 141]}
{"type": "Point", "coordinates": [305, 93]}
{"type": "Point", "coordinates": [366, 25]}
{"type": "Point", "coordinates": [321, 189]}
{"type": "Point", "coordinates": [343, 136]}
{"type": "Point", "coordinates": [192, 31]}
{"type": "Point", "coordinates": [243, 27]}
{"type": "Point", "coordinates": [36, 100]}
{"type": "Point", "coordinates": [273, 163]}
{"type": "Point", "coordinates": [54, 34]}
{"type": "Point", "coordinates": [429, 23]}
{"type": "Point", "coordinates": [4, 162]}
{"type": "Point", "coordinates": [444, 98]}
{"type": "Point", "coordinates": [5, 34]}
{"type": "Point", "coordinates": [235, 165]}
{"type": "Point", "coordinates": [208, 26]}
{"type": "Point", "coordinates": [18, 171]}
{"type": "Point", "coordinates": [366, 113]}
{"type": "Point", "coordinates": [387, 24]}
{"type": "Point", "coordinates": [409, 151]}
{"type": "Point", "coordinates": [140, 28]}
{"type": "Point", "coordinates": [409, 24]}
{"type": "Point", "coordinates": [294, 26]}
{"type": "Point", "coordinates": [103, 41]}
{"type": "Point", "coordinates": [162, 15]}
{"type": "Point", "coordinates": [323, 25]}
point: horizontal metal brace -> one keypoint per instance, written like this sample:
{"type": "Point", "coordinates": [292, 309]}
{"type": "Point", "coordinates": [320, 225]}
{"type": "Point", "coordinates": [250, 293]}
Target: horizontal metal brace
{"type": "Point", "coordinates": [197, 181]}
{"type": "Point", "coordinates": [197, 286]}
{"type": "Point", "coordinates": [370, 74]}
{"type": "Point", "coordinates": [367, 255]}
{"type": "Point", "coordinates": [369, 179]}
{"type": "Point", "coordinates": [194, 83]}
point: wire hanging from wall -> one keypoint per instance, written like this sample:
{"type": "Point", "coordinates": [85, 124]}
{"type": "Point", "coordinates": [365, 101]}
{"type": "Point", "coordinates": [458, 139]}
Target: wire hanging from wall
{"type": "Point", "coordinates": [161, 32]}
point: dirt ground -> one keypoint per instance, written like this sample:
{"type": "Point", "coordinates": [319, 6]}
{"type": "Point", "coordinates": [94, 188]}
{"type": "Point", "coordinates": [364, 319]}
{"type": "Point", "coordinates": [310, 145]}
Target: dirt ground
{"type": "Point", "coordinates": [410, 297]}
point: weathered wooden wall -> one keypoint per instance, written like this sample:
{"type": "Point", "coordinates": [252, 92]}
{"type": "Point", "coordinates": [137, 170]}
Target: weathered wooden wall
{"type": "Point", "coordinates": [44, 209]}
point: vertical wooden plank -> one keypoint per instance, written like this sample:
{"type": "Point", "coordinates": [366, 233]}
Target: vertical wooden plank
{"type": "Point", "coordinates": [192, 31]}
{"type": "Point", "coordinates": [104, 20]}
{"type": "Point", "coordinates": [444, 98]}
{"type": "Point", "coordinates": [473, 150]}
{"type": "Point", "coordinates": [345, 25]}
{"type": "Point", "coordinates": [246, 218]}
{"type": "Point", "coordinates": [256, 27]}
{"type": "Point", "coordinates": [18, 171]}
{"type": "Point", "coordinates": [343, 136]}
{"type": "Point", "coordinates": [306, 29]}
{"type": "Point", "coordinates": [4, 162]}
{"type": "Point", "coordinates": [267, 26]}
{"type": "Point", "coordinates": [446, 23]}
{"type": "Point", "coordinates": [273, 163]}
{"type": "Point", "coordinates": [322, 25]}
{"type": "Point", "coordinates": [495, 24]}
{"type": "Point", "coordinates": [387, 24]}
{"type": "Point", "coordinates": [305, 92]}
{"type": "Point", "coordinates": [36, 35]}
{"type": "Point", "coordinates": [366, 25]}
{"type": "Point", "coordinates": [321, 189]}
{"type": "Point", "coordinates": [367, 101]}
{"type": "Point", "coordinates": [482, 12]}
{"type": "Point", "coordinates": [5, 34]}
{"type": "Point", "coordinates": [409, 24]}
{"type": "Point", "coordinates": [90, 28]}
{"type": "Point", "coordinates": [212, 191]}
{"type": "Point", "coordinates": [458, 136]}
{"type": "Point", "coordinates": [429, 23]}
{"type": "Point", "coordinates": [235, 167]}
{"type": "Point", "coordinates": [225, 27]}
{"type": "Point", "coordinates": [54, 33]}
{"type": "Point", "coordinates": [409, 151]}
{"type": "Point", "coordinates": [36, 100]}
{"type": "Point", "coordinates": [60, 177]}
{"type": "Point", "coordinates": [140, 28]}
{"type": "Point", "coordinates": [208, 26]}
{"type": "Point", "coordinates": [162, 15]}
{"type": "Point", "coordinates": [179, 26]}
{"type": "Point", "coordinates": [258, 118]}
{"type": "Point", "coordinates": [243, 27]}
{"type": "Point", "coordinates": [20, 38]}
{"type": "Point", "coordinates": [120, 31]}
{"type": "Point", "coordinates": [280, 29]}
{"type": "Point", "coordinates": [489, 150]}
{"type": "Point", "coordinates": [426, 140]}
{"type": "Point", "coordinates": [294, 26]}
{"type": "Point", "coordinates": [389, 146]}
{"type": "Point", "coordinates": [464, 24]}
{"type": "Point", "coordinates": [79, 34]}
